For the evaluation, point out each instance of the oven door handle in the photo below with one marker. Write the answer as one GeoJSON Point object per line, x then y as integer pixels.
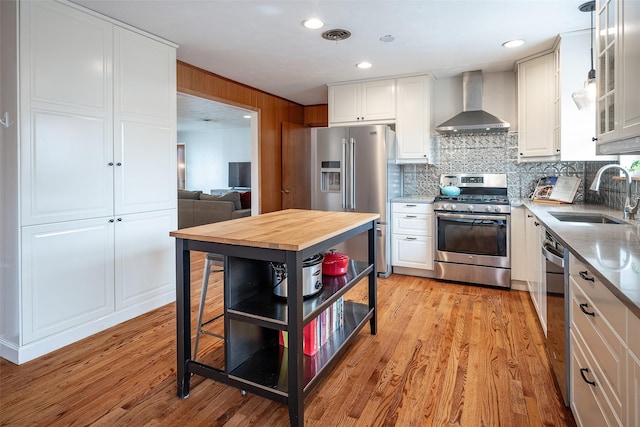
{"type": "Point", "coordinates": [467, 216]}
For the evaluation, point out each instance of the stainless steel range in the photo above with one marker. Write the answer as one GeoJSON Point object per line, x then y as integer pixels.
{"type": "Point", "coordinates": [473, 230]}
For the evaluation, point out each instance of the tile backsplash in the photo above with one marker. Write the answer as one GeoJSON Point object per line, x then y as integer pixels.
{"type": "Point", "coordinates": [499, 154]}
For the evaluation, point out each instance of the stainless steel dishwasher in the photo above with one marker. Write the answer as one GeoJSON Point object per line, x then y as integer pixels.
{"type": "Point", "coordinates": [557, 280]}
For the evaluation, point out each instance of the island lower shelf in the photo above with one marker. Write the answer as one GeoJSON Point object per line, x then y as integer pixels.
{"type": "Point", "coordinates": [268, 366]}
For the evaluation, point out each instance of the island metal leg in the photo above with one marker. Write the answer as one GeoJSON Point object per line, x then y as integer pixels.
{"type": "Point", "coordinates": [183, 316]}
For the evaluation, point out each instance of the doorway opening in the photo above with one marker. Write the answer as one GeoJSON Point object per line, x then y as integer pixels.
{"type": "Point", "coordinates": [215, 135]}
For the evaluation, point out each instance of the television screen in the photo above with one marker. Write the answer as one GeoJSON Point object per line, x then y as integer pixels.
{"type": "Point", "coordinates": [240, 174]}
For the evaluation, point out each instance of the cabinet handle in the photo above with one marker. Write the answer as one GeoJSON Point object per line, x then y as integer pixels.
{"type": "Point", "coordinates": [119, 220]}
{"type": "Point", "coordinates": [583, 308]}
{"type": "Point", "coordinates": [410, 206]}
{"type": "Point", "coordinates": [582, 371]}
{"type": "Point", "coordinates": [529, 216]}
{"type": "Point", "coordinates": [412, 238]}
{"type": "Point", "coordinates": [585, 276]}
{"type": "Point", "coordinates": [111, 220]}
{"type": "Point", "coordinates": [536, 223]}
{"type": "Point", "coordinates": [410, 216]}
{"type": "Point", "coordinates": [118, 164]}
{"type": "Point", "coordinates": [594, 139]}
{"type": "Point", "coordinates": [110, 164]}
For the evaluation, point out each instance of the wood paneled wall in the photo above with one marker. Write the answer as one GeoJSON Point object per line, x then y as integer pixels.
{"type": "Point", "coordinates": [272, 111]}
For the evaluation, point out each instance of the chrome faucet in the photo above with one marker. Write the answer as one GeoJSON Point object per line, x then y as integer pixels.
{"type": "Point", "coordinates": [629, 210]}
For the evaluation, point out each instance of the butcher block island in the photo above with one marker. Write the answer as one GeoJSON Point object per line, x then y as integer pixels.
{"type": "Point", "coordinates": [276, 347]}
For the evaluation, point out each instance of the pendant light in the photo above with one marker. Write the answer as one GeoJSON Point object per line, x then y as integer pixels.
{"type": "Point", "coordinates": [586, 96]}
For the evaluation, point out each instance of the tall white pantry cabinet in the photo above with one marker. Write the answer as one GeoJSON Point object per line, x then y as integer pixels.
{"type": "Point", "coordinates": [88, 182]}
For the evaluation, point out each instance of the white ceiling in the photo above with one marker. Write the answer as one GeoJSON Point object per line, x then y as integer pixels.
{"type": "Point", "coordinates": [262, 43]}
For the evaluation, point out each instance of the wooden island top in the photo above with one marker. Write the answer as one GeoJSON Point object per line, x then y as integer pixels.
{"type": "Point", "coordinates": [291, 229]}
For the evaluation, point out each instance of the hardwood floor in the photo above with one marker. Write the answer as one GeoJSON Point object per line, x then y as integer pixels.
{"type": "Point", "coordinates": [445, 355]}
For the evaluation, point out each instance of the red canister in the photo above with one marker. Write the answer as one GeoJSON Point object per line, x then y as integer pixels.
{"type": "Point", "coordinates": [335, 263]}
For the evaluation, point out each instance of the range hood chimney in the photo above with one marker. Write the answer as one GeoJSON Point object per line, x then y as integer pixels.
{"type": "Point", "coordinates": [473, 120]}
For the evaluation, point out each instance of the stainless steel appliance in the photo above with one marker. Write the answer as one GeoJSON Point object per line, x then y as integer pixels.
{"type": "Point", "coordinates": [473, 230]}
{"type": "Point", "coordinates": [557, 283]}
{"type": "Point", "coordinates": [311, 276]}
{"type": "Point", "coordinates": [354, 170]}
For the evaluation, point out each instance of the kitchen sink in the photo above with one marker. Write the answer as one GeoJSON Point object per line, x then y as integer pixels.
{"type": "Point", "coordinates": [592, 218]}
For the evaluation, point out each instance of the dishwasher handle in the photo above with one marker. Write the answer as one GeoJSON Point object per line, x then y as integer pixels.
{"type": "Point", "coordinates": [550, 253]}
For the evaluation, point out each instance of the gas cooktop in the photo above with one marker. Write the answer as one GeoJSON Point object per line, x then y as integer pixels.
{"type": "Point", "coordinates": [479, 193]}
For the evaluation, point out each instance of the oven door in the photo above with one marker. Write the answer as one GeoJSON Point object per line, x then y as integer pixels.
{"type": "Point", "coordinates": [477, 239]}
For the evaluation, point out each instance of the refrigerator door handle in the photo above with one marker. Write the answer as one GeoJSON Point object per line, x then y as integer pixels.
{"type": "Point", "coordinates": [343, 174]}
{"type": "Point", "coordinates": [352, 165]}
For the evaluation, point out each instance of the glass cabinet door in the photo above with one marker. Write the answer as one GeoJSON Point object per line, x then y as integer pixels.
{"type": "Point", "coordinates": [606, 39]}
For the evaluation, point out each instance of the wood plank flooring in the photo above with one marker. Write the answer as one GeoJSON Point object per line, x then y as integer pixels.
{"type": "Point", "coordinates": [445, 355]}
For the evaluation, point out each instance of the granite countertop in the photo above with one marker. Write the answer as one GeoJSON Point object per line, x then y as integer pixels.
{"type": "Point", "coordinates": [611, 250]}
{"type": "Point", "coordinates": [413, 199]}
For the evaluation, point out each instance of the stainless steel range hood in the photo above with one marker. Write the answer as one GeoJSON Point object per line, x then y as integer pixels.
{"type": "Point", "coordinates": [472, 120]}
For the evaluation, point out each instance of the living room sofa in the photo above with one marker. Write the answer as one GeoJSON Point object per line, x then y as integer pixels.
{"type": "Point", "coordinates": [198, 208]}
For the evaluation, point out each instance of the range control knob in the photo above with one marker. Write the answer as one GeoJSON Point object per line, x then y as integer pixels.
{"type": "Point", "coordinates": [487, 208]}
{"type": "Point", "coordinates": [470, 208]}
{"type": "Point", "coordinates": [496, 209]}
{"type": "Point", "coordinates": [452, 208]}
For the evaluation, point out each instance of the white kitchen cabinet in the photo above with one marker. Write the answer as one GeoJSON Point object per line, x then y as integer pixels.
{"type": "Point", "coordinates": [551, 125]}
{"type": "Point", "coordinates": [413, 119]}
{"type": "Point", "coordinates": [66, 116]}
{"type": "Point", "coordinates": [618, 65]}
{"type": "Point", "coordinates": [536, 282]}
{"type": "Point", "coordinates": [95, 194]}
{"type": "Point", "coordinates": [67, 275]}
{"type": "Point", "coordinates": [519, 256]}
{"type": "Point", "coordinates": [412, 235]}
{"type": "Point", "coordinates": [633, 371]}
{"type": "Point", "coordinates": [598, 329]}
{"type": "Point", "coordinates": [536, 108]}
{"type": "Point", "coordinates": [367, 102]}
{"type": "Point", "coordinates": [144, 123]}
{"type": "Point", "coordinates": [576, 128]}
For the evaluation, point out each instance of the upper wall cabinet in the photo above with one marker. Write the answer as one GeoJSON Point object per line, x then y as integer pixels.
{"type": "Point", "coordinates": [367, 102]}
{"type": "Point", "coordinates": [552, 127]}
{"type": "Point", "coordinates": [618, 67]}
{"type": "Point", "coordinates": [536, 108]}
{"type": "Point", "coordinates": [576, 128]}
{"type": "Point", "coordinates": [413, 119]}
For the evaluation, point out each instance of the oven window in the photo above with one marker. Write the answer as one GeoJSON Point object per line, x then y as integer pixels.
{"type": "Point", "coordinates": [473, 236]}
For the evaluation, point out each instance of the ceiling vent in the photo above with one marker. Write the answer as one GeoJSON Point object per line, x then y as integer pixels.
{"type": "Point", "coordinates": [336, 35]}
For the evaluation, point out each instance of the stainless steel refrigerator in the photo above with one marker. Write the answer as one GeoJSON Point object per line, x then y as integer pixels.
{"type": "Point", "coordinates": [354, 170]}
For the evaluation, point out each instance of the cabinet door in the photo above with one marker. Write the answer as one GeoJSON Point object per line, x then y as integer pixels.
{"type": "Point", "coordinates": [536, 107]}
{"type": "Point", "coordinates": [344, 103]}
{"type": "Point", "coordinates": [66, 114]}
{"type": "Point", "coordinates": [606, 46]}
{"type": "Point", "coordinates": [519, 259]}
{"type": "Point", "coordinates": [145, 257]}
{"type": "Point", "coordinates": [145, 117]}
{"type": "Point", "coordinates": [633, 390]}
{"type": "Point", "coordinates": [629, 69]}
{"type": "Point", "coordinates": [67, 275]}
{"type": "Point", "coordinates": [378, 100]}
{"type": "Point", "coordinates": [535, 273]}
{"type": "Point", "coordinates": [412, 251]}
{"type": "Point", "coordinates": [413, 124]}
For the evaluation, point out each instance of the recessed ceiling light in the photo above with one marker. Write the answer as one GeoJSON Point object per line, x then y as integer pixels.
{"type": "Point", "coordinates": [513, 43]}
{"type": "Point", "coordinates": [247, 116]}
{"type": "Point", "coordinates": [387, 39]}
{"type": "Point", "coordinates": [313, 23]}
{"type": "Point", "coordinates": [363, 65]}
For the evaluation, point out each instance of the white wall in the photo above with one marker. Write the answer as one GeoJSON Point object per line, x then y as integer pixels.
{"type": "Point", "coordinates": [499, 97]}
{"type": "Point", "coordinates": [209, 152]}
